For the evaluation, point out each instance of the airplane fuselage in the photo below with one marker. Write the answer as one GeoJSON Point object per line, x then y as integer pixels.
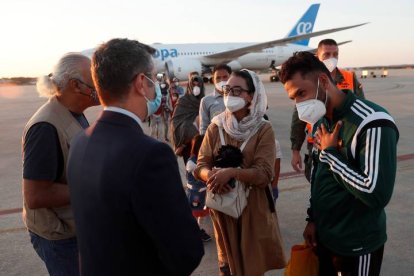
{"type": "Point", "coordinates": [178, 60]}
{"type": "Point", "coordinates": [185, 55]}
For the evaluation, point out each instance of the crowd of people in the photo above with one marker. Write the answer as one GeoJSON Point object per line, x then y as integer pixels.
{"type": "Point", "coordinates": [108, 199]}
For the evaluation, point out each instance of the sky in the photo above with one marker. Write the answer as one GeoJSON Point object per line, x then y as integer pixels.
{"type": "Point", "coordinates": [35, 34]}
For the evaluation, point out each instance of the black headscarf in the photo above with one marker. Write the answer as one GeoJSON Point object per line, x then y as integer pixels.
{"type": "Point", "coordinates": [190, 86]}
{"type": "Point", "coordinates": [186, 111]}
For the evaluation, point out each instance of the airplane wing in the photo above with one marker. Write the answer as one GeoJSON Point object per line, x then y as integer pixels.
{"type": "Point", "coordinates": [232, 54]}
{"type": "Point", "coordinates": [339, 44]}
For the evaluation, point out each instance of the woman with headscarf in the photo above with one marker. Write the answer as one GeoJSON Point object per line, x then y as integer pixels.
{"type": "Point", "coordinates": [184, 122]}
{"type": "Point", "coordinates": [250, 244]}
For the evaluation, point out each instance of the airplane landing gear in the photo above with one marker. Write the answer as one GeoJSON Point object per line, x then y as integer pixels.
{"type": "Point", "coordinates": [274, 78]}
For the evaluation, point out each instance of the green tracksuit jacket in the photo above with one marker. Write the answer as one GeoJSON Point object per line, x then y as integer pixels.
{"type": "Point", "coordinates": [353, 182]}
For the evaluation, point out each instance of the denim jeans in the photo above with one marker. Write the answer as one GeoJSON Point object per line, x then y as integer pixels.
{"type": "Point", "coordinates": [60, 256]}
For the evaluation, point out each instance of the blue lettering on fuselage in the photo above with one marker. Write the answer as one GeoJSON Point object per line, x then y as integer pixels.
{"type": "Point", "coordinates": [165, 53]}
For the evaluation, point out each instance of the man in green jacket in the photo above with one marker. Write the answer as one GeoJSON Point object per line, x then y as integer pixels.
{"type": "Point", "coordinates": [328, 53]}
{"type": "Point", "coordinates": [354, 167]}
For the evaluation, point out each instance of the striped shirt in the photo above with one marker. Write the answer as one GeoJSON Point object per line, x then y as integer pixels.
{"type": "Point", "coordinates": [210, 106]}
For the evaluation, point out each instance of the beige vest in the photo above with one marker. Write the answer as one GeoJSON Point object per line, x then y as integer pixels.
{"type": "Point", "coordinates": [53, 223]}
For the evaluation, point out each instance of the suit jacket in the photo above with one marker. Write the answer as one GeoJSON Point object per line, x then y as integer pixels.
{"type": "Point", "coordinates": [130, 208]}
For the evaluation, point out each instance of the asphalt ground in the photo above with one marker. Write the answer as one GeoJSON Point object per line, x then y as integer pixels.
{"type": "Point", "coordinates": [395, 93]}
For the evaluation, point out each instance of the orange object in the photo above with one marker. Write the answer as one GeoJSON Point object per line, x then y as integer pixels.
{"type": "Point", "coordinates": [200, 213]}
{"type": "Point", "coordinates": [309, 133]}
{"type": "Point", "coordinates": [348, 82]}
{"type": "Point", "coordinates": [303, 262]}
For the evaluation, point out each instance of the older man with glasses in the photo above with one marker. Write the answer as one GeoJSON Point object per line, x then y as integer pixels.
{"type": "Point", "coordinates": [46, 140]}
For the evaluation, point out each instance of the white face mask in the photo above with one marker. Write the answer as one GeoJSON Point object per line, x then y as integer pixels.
{"type": "Point", "coordinates": [176, 83]}
{"type": "Point", "coordinates": [163, 85]}
{"type": "Point", "coordinates": [330, 63]}
{"type": "Point", "coordinates": [219, 85]}
{"type": "Point", "coordinates": [311, 111]}
{"type": "Point", "coordinates": [234, 104]}
{"type": "Point", "coordinates": [196, 91]}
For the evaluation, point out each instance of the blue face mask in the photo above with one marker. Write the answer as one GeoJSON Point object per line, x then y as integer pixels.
{"type": "Point", "coordinates": [153, 105]}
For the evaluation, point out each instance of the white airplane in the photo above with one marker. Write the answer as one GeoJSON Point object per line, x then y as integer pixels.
{"type": "Point", "coordinates": [178, 60]}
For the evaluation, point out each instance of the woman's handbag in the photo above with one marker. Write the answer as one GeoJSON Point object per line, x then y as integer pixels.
{"type": "Point", "coordinates": [303, 262]}
{"type": "Point", "coordinates": [233, 202]}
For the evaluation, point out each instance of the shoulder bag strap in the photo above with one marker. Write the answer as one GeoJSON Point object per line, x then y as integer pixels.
{"type": "Point", "coordinates": [223, 142]}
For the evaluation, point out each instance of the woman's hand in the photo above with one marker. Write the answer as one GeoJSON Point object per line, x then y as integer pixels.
{"type": "Point", "coordinates": [218, 180]}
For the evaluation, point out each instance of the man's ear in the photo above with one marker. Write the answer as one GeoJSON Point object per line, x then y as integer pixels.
{"type": "Point", "coordinates": [74, 85]}
{"type": "Point", "coordinates": [324, 81]}
{"type": "Point", "coordinates": [139, 84]}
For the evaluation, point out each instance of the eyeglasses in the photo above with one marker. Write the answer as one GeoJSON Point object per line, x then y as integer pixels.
{"type": "Point", "coordinates": [235, 91]}
{"type": "Point", "coordinates": [149, 75]}
{"type": "Point", "coordinates": [87, 85]}
{"type": "Point", "coordinates": [152, 81]}
{"type": "Point", "coordinates": [152, 76]}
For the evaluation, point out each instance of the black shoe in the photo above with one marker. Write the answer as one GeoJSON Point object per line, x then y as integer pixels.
{"type": "Point", "coordinates": [224, 270]}
{"type": "Point", "coordinates": [204, 236]}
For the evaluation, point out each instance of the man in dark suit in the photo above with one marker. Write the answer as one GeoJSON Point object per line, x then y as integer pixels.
{"type": "Point", "coordinates": [131, 212]}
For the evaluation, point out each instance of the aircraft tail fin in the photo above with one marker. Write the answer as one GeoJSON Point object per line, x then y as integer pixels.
{"type": "Point", "coordinates": [305, 24]}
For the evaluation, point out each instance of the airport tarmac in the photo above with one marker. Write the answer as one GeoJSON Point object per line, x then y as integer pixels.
{"type": "Point", "coordinates": [395, 93]}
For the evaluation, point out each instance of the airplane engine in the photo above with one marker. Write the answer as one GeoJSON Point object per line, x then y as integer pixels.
{"type": "Point", "coordinates": [235, 65]}
{"type": "Point", "coordinates": [180, 68]}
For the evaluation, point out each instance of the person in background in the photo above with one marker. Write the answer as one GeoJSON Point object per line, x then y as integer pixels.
{"type": "Point", "coordinates": [47, 137]}
{"type": "Point", "coordinates": [279, 156]}
{"type": "Point", "coordinates": [190, 76]}
{"type": "Point", "coordinates": [212, 105]}
{"type": "Point", "coordinates": [166, 110]}
{"type": "Point", "coordinates": [174, 99]}
{"type": "Point", "coordinates": [196, 189]}
{"type": "Point", "coordinates": [130, 207]}
{"type": "Point", "coordinates": [159, 121]}
{"type": "Point", "coordinates": [175, 87]}
{"type": "Point", "coordinates": [164, 86]}
{"type": "Point", "coordinates": [185, 122]}
{"type": "Point", "coordinates": [354, 168]}
{"type": "Point", "coordinates": [155, 124]}
{"type": "Point", "coordinates": [275, 179]}
{"type": "Point", "coordinates": [328, 53]}
{"type": "Point", "coordinates": [193, 74]}
{"type": "Point", "coordinates": [251, 244]}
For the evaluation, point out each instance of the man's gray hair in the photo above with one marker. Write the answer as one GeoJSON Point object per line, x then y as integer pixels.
{"type": "Point", "coordinates": [116, 63]}
{"type": "Point", "coordinates": [68, 67]}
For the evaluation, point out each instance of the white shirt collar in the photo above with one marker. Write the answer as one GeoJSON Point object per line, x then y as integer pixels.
{"type": "Point", "coordinates": [125, 112]}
